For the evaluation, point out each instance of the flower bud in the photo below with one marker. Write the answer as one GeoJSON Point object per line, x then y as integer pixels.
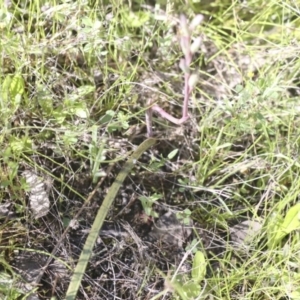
{"type": "Point", "coordinates": [196, 45]}
{"type": "Point", "coordinates": [193, 80]}
{"type": "Point", "coordinates": [184, 26]}
{"type": "Point", "coordinates": [183, 66]}
{"type": "Point", "coordinates": [196, 22]}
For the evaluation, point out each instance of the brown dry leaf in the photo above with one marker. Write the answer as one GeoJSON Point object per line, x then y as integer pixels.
{"type": "Point", "coordinates": [38, 196]}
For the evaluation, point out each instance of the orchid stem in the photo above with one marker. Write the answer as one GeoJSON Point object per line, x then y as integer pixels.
{"type": "Point", "coordinates": [189, 80]}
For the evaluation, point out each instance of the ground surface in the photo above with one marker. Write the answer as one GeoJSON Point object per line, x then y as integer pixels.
{"type": "Point", "coordinates": [75, 83]}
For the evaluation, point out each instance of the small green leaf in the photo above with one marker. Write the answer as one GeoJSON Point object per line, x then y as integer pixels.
{"type": "Point", "coordinates": [172, 154]}
{"type": "Point", "coordinates": [86, 21]}
{"type": "Point", "coordinates": [187, 212]}
{"type": "Point", "coordinates": [21, 144]}
{"type": "Point", "coordinates": [136, 19]}
{"type": "Point", "coordinates": [147, 203]}
{"type": "Point", "coordinates": [239, 88]}
{"type": "Point", "coordinates": [109, 114]}
{"type": "Point", "coordinates": [123, 120]}
{"type": "Point", "coordinates": [199, 267]}
{"type": "Point", "coordinates": [81, 112]}
{"type": "Point", "coordinates": [192, 246]}
{"type": "Point", "coordinates": [66, 222]}
{"type": "Point", "coordinates": [60, 114]}
{"type": "Point", "coordinates": [70, 137]}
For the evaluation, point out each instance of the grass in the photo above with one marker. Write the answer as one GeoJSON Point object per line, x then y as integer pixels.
{"type": "Point", "coordinates": [75, 82]}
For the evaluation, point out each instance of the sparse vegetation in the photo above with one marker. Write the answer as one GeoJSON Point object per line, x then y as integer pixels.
{"type": "Point", "coordinates": [76, 80]}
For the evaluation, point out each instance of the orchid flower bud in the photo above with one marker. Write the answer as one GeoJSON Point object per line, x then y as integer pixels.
{"type": "Point", "coordinates": [196, 44]}
{"type": "Point", "coordinates": [184, 26]}
{"type": "Point", "coordinates": [192, 81]}
{"type": "Point", "coordinates": [183, 66]}
{"type": "Point", "coordinates": [196, 22]}
{"type": "Point", "coordinates": [185, 45]}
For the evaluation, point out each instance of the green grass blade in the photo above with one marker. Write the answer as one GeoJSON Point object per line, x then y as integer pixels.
{"type": "Point", "coordinates": [101, 215]}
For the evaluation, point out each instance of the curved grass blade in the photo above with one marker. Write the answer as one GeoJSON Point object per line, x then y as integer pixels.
{"type": "Point", "coordinates": [101, 215]}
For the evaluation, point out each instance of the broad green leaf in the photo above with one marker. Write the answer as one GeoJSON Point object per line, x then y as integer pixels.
{"type": "Point", "coordinates": [17, 86]}
{"type": "Point", "coordinates": [273, 226]}
{"type": "Point", "coordinates": [290, 223]}
{"type": "Point", "coordinates": [5, 89]}
{"type": "Point", "coordinates": [177, 285]}
{"type": "Point", "coordinates": [295, 295]}
{"type": "Point", "coordinates": [199, 267]}
{"type": "Point", "coordinates": [185, 288]}
{"type": "Point", "coordinates": [11, 92]}
{"type": "Point", "coordinates": [191, 290]}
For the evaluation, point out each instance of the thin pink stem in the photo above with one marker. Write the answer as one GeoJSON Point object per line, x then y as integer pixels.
{"type": "Point", "coordinates": [167, 116]}
{"type": "Point", "coordinates": [186, 46]}
{"type": "Point", "coordinates": [186, 96]}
